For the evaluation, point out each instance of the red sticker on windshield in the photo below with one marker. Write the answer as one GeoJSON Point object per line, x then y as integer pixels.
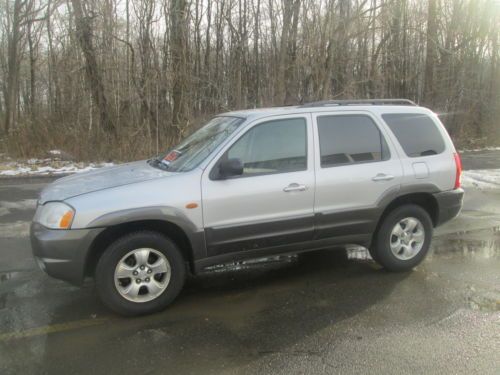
{"type": "Point", "coordinates": [171, 156]}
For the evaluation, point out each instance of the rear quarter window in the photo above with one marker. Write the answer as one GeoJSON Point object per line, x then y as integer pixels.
{"type": "Point", "coordinates": [417, 133]}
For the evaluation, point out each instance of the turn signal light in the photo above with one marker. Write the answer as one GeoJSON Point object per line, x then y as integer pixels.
{"type": "Point", "coordinates": [66, 220]}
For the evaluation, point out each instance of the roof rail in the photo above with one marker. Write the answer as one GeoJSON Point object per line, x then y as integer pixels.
{"type": "Point", "coordinates": [325, 103]}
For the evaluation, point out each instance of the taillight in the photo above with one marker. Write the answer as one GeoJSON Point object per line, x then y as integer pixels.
{"type": "Point", "coordinates": [458, 165]}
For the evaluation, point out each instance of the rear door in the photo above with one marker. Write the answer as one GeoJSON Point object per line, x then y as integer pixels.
{"type": "Point", "coordinates": [271, 204]}
{"type": "Point", "coordinates": [357, 171]}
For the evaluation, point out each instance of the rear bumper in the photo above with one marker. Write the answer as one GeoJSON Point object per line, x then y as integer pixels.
{"type": "Point", "coordinates": [62, 254]}
{"type": "Point", "coordinates": [449, 205]}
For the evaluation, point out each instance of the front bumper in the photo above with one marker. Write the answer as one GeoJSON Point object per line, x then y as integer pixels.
{"type": "Point", "coordinates": [62, 254]}
{"type": "Point", "coordinates": [449, 205]}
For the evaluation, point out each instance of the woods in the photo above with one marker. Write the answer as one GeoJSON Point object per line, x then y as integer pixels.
{"type": "Point", "coordinates": [124, 79]}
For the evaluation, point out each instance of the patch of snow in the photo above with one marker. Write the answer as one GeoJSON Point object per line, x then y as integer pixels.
{"type": "Point", "coordinates": [6, 207]}
{"type": "Point", "coordinates": [251, 263]}
{"type": "Point", "coordinates": [55, 152]}
{"type": "Point", "coordinates": [481, 179]}
{"type": "Point", "coordinates": [17, 229]}
{"type": "Point", "coordinates": [47, 167]}
{"type": "Point", "coordinates": [15, 172]}
{"type": "Point", "coordinates": [23, 204]}
{"type": "Point", "coordinates": [357, 252]}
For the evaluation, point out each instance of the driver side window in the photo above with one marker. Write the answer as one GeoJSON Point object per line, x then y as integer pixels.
{"type": "Point", "coordinates": [272, 147]}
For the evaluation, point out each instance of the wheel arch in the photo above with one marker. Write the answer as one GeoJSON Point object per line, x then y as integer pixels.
{"type": "Point", "coordinates": [425, 200]}
{"type": "Point", "coordinates": [165, 227]}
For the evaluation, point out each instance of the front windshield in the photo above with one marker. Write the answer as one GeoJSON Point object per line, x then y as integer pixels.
{"type": "Point", "coordinates": [195, 148]}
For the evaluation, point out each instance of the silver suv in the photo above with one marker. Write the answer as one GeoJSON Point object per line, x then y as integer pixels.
{"type": "Point", "coordinates": [254, 183]}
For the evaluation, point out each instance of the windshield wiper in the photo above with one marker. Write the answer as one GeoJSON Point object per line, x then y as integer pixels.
{"type": "Point", "coordinates": [157, 163]}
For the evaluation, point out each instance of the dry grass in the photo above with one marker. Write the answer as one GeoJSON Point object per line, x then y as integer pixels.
{"type": "Point", "coordinates": [128, 144]}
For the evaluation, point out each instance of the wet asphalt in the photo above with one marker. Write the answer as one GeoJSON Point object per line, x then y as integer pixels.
{"type": "Point", "coordinates": [327, 312]}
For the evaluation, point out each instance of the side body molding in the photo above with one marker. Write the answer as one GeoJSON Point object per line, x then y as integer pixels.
{"type": "Point", "coordinates": [160, 213]}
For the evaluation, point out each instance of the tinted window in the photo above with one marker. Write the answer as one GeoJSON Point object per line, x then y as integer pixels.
{"type": "Point", "coordinates": [272, 147]}
{"type": "Point", "coordinates": [416, 133]}
{"type": "Point", "coordinates": [350, 139]}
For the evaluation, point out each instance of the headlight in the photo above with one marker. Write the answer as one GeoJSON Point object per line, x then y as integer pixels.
{"type": "Point", "coordinates": [56, 215]}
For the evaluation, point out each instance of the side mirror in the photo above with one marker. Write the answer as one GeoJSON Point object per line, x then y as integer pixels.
{"type": "Point", "coordinates": [230, 167]}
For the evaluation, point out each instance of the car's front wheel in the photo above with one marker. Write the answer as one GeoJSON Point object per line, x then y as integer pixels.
{"type": "Point", "coordinates": [140, 273]}
{"type": "Point", "coordinates": [403, 239]}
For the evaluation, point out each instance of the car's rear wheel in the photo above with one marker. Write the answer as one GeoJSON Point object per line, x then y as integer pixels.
{"type": "Point", "coordinates": [403, 239]}
{"type": "Point", "coordinates": [140, 273]}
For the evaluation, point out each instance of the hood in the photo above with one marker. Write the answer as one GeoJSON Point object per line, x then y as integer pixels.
{"type": "Point", "coordinates": [100, 179]}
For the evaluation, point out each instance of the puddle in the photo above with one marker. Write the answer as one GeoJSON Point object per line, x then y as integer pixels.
{"type": "Point", "coordinates": [476, 233]}
{"type": "Point", "coordinates": [483, 300]}
{"type": "Point", "coordinates": [480, 244]}
{"type": "Point", "coordinates": [484, 249]}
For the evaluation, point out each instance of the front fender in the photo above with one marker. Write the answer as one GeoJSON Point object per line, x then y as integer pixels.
{"type": "Point", "coordinates": [159, 213]}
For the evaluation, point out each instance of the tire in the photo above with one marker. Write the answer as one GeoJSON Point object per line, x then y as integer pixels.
{"type": "Point", "coordinates": [397, 247]}
{"type": "Point", "coordinates": [153, 271]}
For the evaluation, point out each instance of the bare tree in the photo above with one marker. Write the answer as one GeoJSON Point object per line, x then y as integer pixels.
{"type": "Point", "coordinates": [431, 52]}
{"type": "Point", "coordinates": [179, 58]}
{"type": "Point", "coordinates": [149, 71]}
{"type": "Point", "coordinates": [84, 35]}
{"type": "Point", "coordinates": [14, 36]}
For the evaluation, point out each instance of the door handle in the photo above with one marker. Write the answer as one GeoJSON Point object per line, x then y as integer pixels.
{"type": "Point", "coordinates": [383, 177]}
{"type": "Point", "coordinates": [294, 187]}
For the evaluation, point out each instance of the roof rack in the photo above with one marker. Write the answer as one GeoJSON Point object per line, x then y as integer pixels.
{"type": "Point", "coordinates": [325, 103]}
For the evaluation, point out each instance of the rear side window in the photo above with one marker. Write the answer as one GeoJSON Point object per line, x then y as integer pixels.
{"type": "Point", "coordinates": [417, 133]}
{"type": "Point", "coordinates": [272, 147]}
{"type": "Point", "coordinates": [350, 139]}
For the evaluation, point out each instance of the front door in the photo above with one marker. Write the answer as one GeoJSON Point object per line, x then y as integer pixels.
{"type": "Point", "coordinates": [271, 203]}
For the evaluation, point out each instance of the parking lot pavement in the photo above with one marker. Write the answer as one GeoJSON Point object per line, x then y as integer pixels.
{"type": "Point", "coordinates": [326, 312]}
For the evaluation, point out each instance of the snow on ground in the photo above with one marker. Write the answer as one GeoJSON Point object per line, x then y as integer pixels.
{"type": "Point", "coordinates": [17, 229]}
{"type": "Point", "coordinates": [480, 149]}
{"type": "Point", "coordinates": [46, 167]}
{"type": "Point", "coordinates": [481, 179]}
{"type": "Point", "coordinates": [7, 207]}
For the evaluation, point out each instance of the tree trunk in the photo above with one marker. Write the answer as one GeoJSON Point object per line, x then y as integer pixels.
{"type": "Point", "coordinates": [178, 52]}
{"type": "Point", "coordinates": [431, 53]}
{"type": "Point", "coordinates": [256, 40]}
{"type": "Point", "coordinates": [291, 94]}
{"type": "Point", "coordinates": [12, 68]}
{"type": "Point", "coordinates": [84, 35]}
{"type": "Point", "coordinates": [279, 95]}
{"type": "Point", "coordinates": [207, 89]}
{"type": "Point", "coordinates": [32, 60]}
